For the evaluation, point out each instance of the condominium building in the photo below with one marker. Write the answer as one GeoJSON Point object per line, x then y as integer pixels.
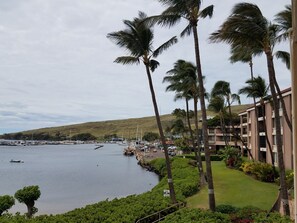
{"type": "Point", "coordinates": [257, 141]}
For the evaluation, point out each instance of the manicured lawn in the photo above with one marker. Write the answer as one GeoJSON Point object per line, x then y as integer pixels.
{"type": "Point", "coordinates": [235, 188]}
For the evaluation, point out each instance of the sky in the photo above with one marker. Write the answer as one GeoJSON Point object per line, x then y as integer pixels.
{"type": "Point", "coordinates": [56, 64]}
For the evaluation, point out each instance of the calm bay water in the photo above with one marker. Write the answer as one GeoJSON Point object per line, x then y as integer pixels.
{"type": "Point", "coordinates": [71, 176]}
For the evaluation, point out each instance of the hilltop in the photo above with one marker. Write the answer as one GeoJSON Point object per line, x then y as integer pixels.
{"type": "Point", "coordinates": [126, 128]}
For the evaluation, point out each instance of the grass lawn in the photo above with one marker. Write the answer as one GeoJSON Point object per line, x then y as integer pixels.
{"type": "Point", "coordinates": [235, 188]}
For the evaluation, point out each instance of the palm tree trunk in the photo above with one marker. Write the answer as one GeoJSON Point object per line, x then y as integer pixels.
{"type": "Point", "coordinates": [268, 141]}
{"type": "Point", "coordinates": [255, 107]}
{"type": "Point", "coordinates": [232, 124]}
{"type": "Point", "coordinates": [168, 166]}
{"type": "Point", "coordinates": [211, 195]}
{"type": "Point", "coordinates": [289, 123]}
{"type": "Point", "coordinates": [222, 123]}
{"type": "Point", "coordinates": [281, 164]}
{"type": "Point", "coordinates": [197, 150]}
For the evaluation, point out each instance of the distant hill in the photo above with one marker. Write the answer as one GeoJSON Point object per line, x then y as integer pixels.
{"type": "Point", "coordinates": [123, 128]}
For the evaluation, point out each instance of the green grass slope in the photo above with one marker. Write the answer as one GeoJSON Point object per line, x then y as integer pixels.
{"type": "Point", "coordinates": [235, 188]}
{"type": "Point", "coordinates": [126, 127]}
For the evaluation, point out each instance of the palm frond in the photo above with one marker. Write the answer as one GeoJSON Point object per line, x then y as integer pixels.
{"type": "Point", "coordinates": [248, 10]}
{"type": "Point", "coordinates": [206, 12]}
{"type": "Point", "coordinates": [164, 46]}
{"type": "Point", "coordinates": [284, 21]}
{"type": "Point", "coordinates": [284, 57]}
{"type": "Point", "coordinates": [168, 20]}
{"type": "Point", "coordinates": [187, 31]}
{"type": "Point", "coordinates": [129, 60]}
{"type": "Point", "coordinates": [235, 98]}
{"type": "Point", "coordinates": [153, 65]}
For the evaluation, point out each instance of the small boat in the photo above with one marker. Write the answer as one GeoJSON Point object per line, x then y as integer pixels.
{"type": "Point", "coordinates": [16, 161]}
{"type": "Point", "coordinates": [98, 147]}
{"type": "Point", "coordinates": [129, 151]}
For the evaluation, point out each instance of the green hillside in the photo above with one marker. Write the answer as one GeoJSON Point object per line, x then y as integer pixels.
{"type": "Point", "coordinates": [123, 128]}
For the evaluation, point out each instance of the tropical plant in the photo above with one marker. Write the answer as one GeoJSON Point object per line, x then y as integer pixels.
{"type": "Point", "coordinates": [6, 202]}
{"type": "Point", "coordinates": [183, 80]}
{"type": "Point", "coordinates": [150, 136]}
{"type": "Point", "coordinates": [222, 90]}
{"type": "Point", "coordinates": [246, 26]}
{"type": "Point", "coordinates": [231, 156]}
{"type": "Point", "coordinates": [284, 22]}
{"type": "Point", "coordinates": [217, 104]}
{"type": "Point", "coordinates": [28, 195]}
{"type": "Point", "coordinates": [192, 12]}
{"type": "Point", "coordinates": [137, 39]}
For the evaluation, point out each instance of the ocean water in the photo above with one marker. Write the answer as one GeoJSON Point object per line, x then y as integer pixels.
{"type": "Point", "coordinates": [71, 176]}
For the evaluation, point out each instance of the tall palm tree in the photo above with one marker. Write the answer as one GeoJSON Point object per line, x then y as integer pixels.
{"type": "Point", "coordinates": [257, 88]}
{"type": "Point", "coordinates": [192, 12]}
{"type": "Point", "coordinates": [183, 80]}
{"type": "Point", "coordinates": [244, 54]}
{"type": "Point", "coordinates": [246, 26]}
{"type": "Point", "coordinates": [137, 39]}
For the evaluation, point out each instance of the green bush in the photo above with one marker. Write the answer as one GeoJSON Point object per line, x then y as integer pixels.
{"type": "Point", "coordinates": [6, 202]}
{"type": "Point", "coordinates": [261, 171]}
{"type": "Point", "coordinates": [271, 218]}
{"type": "Point", "coordinates": [289, 179]}
{"type": "Point", "coordinates": [159, 166]}
{"type": "Point", "coordinates": [226, 209]}
{"type": "Point", "coordinates": [231, 157]}
{"type": "Point", "coordinates": [185, 176]}
{"type": "Point", "coordinates": [187, 215]}
{"type": "Point", "coordinates": [245, 214]}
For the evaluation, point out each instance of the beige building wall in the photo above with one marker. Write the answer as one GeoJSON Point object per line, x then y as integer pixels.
{"type": "Point", "coordinates": [252, 139]}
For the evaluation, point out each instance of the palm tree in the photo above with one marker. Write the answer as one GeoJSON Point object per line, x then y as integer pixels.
{"type": "Point", "coordinates": [245, 54]}
{"type": "Point", "coordinates": [284, 23]}
{"type": "Point", "coordinates": [137, 39]}
{"type": "Point", "coordinates": [246, 26]}
{"type": "Point", "coordinates": [222, 89]}
{"type": "Point", "coordinates": [183, 80]}
{"type": "Point", "coordinates": [257, 88]}
{"type": "Point", "coordinates": [192, 12]}
{"type": "Point", "coordinates": [217, 105]}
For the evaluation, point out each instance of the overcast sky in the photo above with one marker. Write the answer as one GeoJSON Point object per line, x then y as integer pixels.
{"type": "Point", "coordinates": [56, 64]}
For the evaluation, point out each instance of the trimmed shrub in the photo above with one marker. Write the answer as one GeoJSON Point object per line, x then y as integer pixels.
{"type": "Point", "coordinates": [187, 215]}
{"type": "Point", "coordinates": [226, 209]}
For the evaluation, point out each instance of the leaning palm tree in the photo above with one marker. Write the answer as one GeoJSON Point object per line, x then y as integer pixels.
{"type": "Point", "coordinates": [246, 26]}
{"type": "Point", "coordinates": [183, 80]}
{"type": "Point", "coordinates": [137, 39]}
{"type": "Point", "coordinates": [192, 12]}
